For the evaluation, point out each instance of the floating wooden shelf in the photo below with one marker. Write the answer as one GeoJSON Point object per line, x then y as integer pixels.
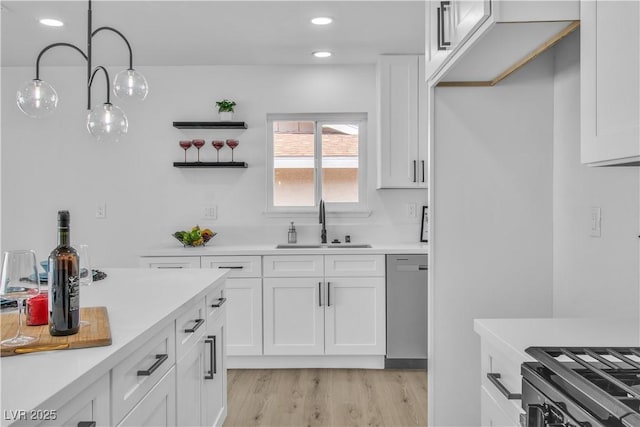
{"type": "Point", "coordinates": [210, 125]}
{"type": "Point", "coordinates": [210, 165]}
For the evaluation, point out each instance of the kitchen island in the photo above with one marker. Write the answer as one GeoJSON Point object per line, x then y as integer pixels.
{"type": "Point", "coordinates": [146, 308]}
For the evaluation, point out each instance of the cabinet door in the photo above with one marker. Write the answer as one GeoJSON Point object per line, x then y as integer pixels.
{"type": "Point", "coordinates": [467, 16]}
{"type": "Point", "coordinates": [244, 316]}
{"type": "Point", "coordinates": [158, 407]}
{"type": "Point", "coordinates": [438, 43]}
{"type": "Point", "coordinates": [170, 262]}
{"type": "Point", "coordinates": [215, 389]}
{"type": "Point", "coordinates": [491, 413]}
{"type": "Point", "coordinates": [92, 404]}
{"type": "Point", "coordinates": [398, 121]}
{"type": "Point", "coordinates": [355, 316]}
{"type": "Point", "coordinates": [609, 81]}
{"type": "Point", "coordinates": [190, 372]}
{"type": "Point", "coordinates": [293, 316]}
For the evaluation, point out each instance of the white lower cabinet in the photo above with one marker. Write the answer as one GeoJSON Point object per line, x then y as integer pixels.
{"type": "Point", "coordinates": [293, 316]}
{"type": "Point", "coordinates": [215, 383]}
{"type": "Point", "coordinates": [492, 415]}
{"type": "Point", "coordinates": [355, 316]}
{"type": "Point", "coordinates": [244, 316]}
{"type": "Point", "coordinates": [90, 405]}
{"type": "Point", "coordinates": [158, 407]}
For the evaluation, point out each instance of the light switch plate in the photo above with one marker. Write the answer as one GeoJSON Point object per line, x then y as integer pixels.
{"type": "Point", "coordinates": [209, 212]}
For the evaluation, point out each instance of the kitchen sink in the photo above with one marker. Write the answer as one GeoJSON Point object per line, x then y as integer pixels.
{"type": "Point", "coordinates": [330, 246]}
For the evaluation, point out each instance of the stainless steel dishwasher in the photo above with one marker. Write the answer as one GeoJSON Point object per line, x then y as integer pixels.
{"type": "Point", "coordinates": [406, 311]}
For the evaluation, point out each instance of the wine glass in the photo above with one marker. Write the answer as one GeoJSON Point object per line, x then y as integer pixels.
{"type": "Point", "coordinates": [198, 143]}
{"type": "Point", "coordinates": [232, 143]}
{"type": "Point", "coordinates": [186, 145]}
{"type": "Point", "coordinates": [217, 145]}
{"type": "Point", "coordinates": [19, 281]}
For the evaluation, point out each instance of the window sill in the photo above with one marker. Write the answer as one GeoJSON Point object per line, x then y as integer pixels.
{"type": "Point", "coordinates": [314, 214]}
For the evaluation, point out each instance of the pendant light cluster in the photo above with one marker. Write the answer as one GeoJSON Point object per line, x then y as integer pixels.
{"type": "Point", "coordinates": [105, 122]}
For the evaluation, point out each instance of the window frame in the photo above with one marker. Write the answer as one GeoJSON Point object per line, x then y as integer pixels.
{"type": "Point", "coordinates": [319, 119]}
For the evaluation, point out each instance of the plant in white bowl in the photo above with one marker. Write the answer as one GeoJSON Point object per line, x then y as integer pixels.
{"type": "Point", "coordinates": [225, 109]}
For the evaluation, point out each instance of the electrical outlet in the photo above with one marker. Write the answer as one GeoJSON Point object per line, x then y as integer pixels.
{"type": "Point", "coordinates": [412, 210]}
{"type": "Point", "coordinates": [209, 212]}
{"type": "Point", "coordinates": [596, 222]}
{"type": "Point", "coordinates": [101, 210]}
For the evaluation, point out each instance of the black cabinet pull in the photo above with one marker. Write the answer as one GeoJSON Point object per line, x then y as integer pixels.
{"type": "Point", "coordinates": [328, 294]}
{"type": "Point", "coordinates": [199, 322]}
{"type": "Point", "coordinates": [87, 424]}
{"type": "Point", "coordinates": [415, 172]}
{"type": "Point", "coordinates": [233, 267]}
{"type": "Point", "coordinates": [211, 342]}
{"type": "Point", "coordinates": [442, 43]}
{"type": "Point", "coordinates": [160, 359]}
{"type": "Point", "coordinates": [319, 294]}
{"type": "Point", "coordinates": [165, 266]}
{"type": "Point", "coordinates": [220, 302]}
{"type": "Point", "coordinates": [422, 161]}
{"type": "Point", "coordinates": [495, 380]}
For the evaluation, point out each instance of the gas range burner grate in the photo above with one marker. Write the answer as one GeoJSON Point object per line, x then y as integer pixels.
{"type": "Point", "coordinates": [607, 377]}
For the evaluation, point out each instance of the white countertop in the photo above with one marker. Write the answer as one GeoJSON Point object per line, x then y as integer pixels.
{"type": "Point", "coordinates": [139, 303]}
{"type": "Point", "coordinates": [270, 249]}
{"type": "Point", "coordinates": [515, 335]}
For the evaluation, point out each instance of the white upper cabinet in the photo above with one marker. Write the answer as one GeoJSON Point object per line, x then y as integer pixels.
{"type": "Point", "coordinates": [481, 42]}
{"type": "Point", "coordinates": [609, 80]}
{"type": "Point", "coordinates": [402, 136]}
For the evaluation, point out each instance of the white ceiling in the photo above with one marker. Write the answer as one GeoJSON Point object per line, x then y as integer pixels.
{"type": "Point", "coordinates": [213, 32]}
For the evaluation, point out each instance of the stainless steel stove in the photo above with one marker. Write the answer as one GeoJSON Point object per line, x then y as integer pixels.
{"type": "Point", "coordinates": [581, 387]}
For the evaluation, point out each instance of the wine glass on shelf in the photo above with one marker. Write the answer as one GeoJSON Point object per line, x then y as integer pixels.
{"type": "Point", "coordinates": [217, 145]}
{"type": "Point", "coordinates": [198, 143]}
{"type": "Point", "coordinates": [185, 145]}
{"type": "Point", "coordinates": [232, 143]}
{"type": "Point", "coordinates": [20, 281]}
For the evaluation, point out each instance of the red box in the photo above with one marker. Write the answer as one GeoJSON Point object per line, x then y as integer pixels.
{"type": "Point", "coordinates": [38, 310]}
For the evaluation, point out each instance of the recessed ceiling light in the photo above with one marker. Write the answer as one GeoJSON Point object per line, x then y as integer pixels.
{"type": "Point", "coordinates": [322, 20]}
{"type": "Point", "coordinates": [51, 22]}
{"type": "Point", "coordinates": [322, 54]}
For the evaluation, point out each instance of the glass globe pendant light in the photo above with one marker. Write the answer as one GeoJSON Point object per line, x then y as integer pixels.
{"type": "Point", "coordinates": [37, 99]}
{"type": "Point", "coordinates": [130, 84]}
{"type": "Point", "coordinates": [107, 123]}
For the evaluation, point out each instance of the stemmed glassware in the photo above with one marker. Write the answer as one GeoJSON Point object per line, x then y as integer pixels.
{"type": "Point", "coordinates": [185, 145]}
{"type": "Point", "coordinates": [232, 143]}
{"type": "Point", "coordinates": [20, 281]}
{"type": "Point", "coordinates": [198, 143]}
{"type": "Point", "coordinates": [217, 145]}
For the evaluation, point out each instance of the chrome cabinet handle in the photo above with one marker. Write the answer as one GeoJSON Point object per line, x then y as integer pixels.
{"type": "Point", "coordinates": [319, 294]}
{"type": "Point", "coordinates": [212, 343]}
{"type": "Point", "coordinates": [160, 359]}
{"type": "Point", "coordinates": [220, 302]}
{"type": "Point", "coordinates": [199, 322]}
{"type": "Point", "coordinates": [495, 380]}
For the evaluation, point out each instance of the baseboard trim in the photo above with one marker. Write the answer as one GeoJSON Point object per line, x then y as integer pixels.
{"type": "Point", "coordinates": [284, 362]}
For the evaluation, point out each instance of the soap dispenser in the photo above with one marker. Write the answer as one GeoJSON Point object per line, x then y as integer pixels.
{"type": "Point", "coordinates": [293, 235]}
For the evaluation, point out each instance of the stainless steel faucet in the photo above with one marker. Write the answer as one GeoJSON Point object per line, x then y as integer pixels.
{"type": "Point", "coordinates": [323, 221]}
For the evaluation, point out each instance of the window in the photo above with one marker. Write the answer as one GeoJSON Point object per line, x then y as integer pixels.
{"type": "Point", "coordinates": [313, 157]}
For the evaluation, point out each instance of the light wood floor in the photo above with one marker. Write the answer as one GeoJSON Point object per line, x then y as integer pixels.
{"type": "Point", "coordinates": [326, 397]}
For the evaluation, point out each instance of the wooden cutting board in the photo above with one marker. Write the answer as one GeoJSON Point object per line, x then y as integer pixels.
{"type": "Point", "coordinates": [97, 333]}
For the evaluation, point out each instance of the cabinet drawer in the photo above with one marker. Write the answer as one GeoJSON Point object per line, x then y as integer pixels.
{"type": "Point", "coordinates": [190, 328]}
{"type": "Point", "coordinates": [293, 266]}
{"type": "Point", "coordinates": [131, 382]}
{"type": "Point", "coordinates": [492, 414]}
{"type": "Point", "coordinates": [241, 266]}
{"type": "Point", "coordinates": [354, 265]}
{"type": "Point", "coordinates": [170, 262]}
{"type": "Point", "coordinates": [497, 362]}
{"type": "Point", "coordinates": [158, 407]}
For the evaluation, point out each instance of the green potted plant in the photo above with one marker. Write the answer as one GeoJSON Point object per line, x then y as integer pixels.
{"type": "Point", "coordinates": [225, 109]}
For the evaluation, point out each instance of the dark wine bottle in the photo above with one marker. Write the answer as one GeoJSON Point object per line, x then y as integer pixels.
{"type": "Point", "coordinates": [64, 283]}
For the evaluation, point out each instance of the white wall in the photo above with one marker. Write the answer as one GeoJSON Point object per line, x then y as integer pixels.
{"type": "Point", "coordinates": [492, 224]}
{"type": "Point", "coordinates": [54, 163]}
{"type": "Point", "coordinates": [593, 276]}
